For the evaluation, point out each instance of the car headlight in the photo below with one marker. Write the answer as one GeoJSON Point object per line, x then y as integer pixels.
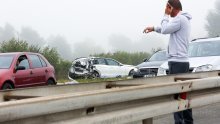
{"type": "Point", "coordinates": [136, 69]}
{"type": "Point", "coordinates": [207, 67]}
{"type": "Point", "coordinates": [161, 71]}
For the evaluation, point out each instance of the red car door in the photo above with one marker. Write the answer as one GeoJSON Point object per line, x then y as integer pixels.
{"type": "Point", "coordinates": [38, 71]}
{"type": "Point", "coordinates": [23, 77]}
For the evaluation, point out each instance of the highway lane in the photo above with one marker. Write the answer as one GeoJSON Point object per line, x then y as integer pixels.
{"type": "Point", "coordinates": [205, 115]}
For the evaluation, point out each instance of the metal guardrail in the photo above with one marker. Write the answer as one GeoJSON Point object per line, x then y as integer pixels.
{"type": "Point", "coordinates": [150, 98]}
{"type": "Point", "coordinates": [55, 90]}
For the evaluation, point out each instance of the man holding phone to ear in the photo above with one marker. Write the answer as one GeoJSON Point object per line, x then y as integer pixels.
{"type": "Point", "coordinates": [179, 30]}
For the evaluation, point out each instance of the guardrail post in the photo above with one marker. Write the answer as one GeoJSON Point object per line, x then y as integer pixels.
{"type": "Point", "coordinates": [148, 121]}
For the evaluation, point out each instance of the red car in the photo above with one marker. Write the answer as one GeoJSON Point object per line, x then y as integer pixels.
{"type": "Point", "coordinates": [24, 69]}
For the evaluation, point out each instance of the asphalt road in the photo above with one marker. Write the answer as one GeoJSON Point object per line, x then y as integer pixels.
{"type": "Point", "coordinates": [205, 115]}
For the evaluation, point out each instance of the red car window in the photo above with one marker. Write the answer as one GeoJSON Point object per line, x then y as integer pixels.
{"type": "Point", "coordinates": [44, 64]}
{"type": "Point", "coordinates": [36, 63]}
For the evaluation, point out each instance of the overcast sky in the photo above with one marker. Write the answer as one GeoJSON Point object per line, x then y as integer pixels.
{"type": "Point", "coordinates": [102, 24]}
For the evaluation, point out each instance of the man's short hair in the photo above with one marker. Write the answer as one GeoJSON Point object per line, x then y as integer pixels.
{"type": "Point", "coordinates": [176, 4]}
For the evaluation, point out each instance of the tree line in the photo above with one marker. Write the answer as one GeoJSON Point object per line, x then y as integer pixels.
{"type": "Point", "coordinates": [126, 57]}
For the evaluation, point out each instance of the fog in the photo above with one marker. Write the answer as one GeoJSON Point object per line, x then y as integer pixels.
{"type": "Point", "coordinates": [84, 27]}
{"type": "Point", "coordinates": [116, 42]}
{"type": "Point", "coordinates": [31, 36]}
{"type": "Point", "coordinates": [86, 48]}
{"type": "Point", "coordinates": [7, 32]}
{"type": "Point", "coordinates": [119, 42]}
{"type": "Point", "coordinates": [62, 46]}
{"type": "Point", "coordinates": [66, 50]}
{"type": "Point", "coordinates": [213, 18]}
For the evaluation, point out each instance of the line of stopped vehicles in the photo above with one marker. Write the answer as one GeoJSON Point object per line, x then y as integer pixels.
{"type": "Point", "coordinates": [25, 69]}
{"type": "Point", "coordinates": [204, 55]}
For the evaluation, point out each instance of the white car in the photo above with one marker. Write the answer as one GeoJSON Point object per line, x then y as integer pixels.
{"type": "Point", "coordinates": [204, 55]}
{"type": "Point", "coordinates": [96, 67]}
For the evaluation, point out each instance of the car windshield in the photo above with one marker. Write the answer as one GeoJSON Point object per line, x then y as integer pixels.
{"type": "Point", "coordinates": [158, 56]}
{"type": "Point", "coordinates": [202, 49]}
{"type": "Point", "coordinates": [5, 61]}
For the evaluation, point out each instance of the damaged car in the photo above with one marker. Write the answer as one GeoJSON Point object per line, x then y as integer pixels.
{"type": "Point", "coordinates": [96, 67]}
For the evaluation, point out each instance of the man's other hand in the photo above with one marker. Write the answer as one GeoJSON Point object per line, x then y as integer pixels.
{"type": "Point", "coordinates": [148, 29]}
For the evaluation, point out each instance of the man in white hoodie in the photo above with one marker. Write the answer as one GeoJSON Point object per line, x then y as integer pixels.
{"type": "Point", "coordinates": [179, 30]}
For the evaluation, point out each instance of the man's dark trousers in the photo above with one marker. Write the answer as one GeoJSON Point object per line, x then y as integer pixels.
{"type": "Point", "coordinates": [182, 117]}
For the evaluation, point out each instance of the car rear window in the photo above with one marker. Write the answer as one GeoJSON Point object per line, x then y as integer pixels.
{"type": "Point", "coordinates": [5, 61]}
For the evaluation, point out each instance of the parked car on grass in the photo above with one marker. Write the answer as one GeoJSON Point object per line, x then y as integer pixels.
{"type": "Point", "coordinates": [204, 55]}
{"type": "Point", "coordinates": [95, 67]}
{"type": "Point", "coordinates": [24, 69]}
{"type": "Point", "coordinates": [149, 68]}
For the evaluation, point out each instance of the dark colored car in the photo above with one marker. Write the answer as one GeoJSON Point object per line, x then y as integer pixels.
{"type": "Point", "coordinates": [24, 69]}
{"type": "Point", "coordinates": [149, 68]}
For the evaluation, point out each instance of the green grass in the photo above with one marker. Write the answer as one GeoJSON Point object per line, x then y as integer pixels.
{"type": "Point", "coordinates": [100, 80]}
{"type": "Point", "coordinates": [97, 80]}
{"type": "Point", "coordinates": [63, 80]}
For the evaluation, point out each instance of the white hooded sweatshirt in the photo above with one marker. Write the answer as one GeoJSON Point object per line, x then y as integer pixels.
{"type": "Point", "coordinates": [179, 29]}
